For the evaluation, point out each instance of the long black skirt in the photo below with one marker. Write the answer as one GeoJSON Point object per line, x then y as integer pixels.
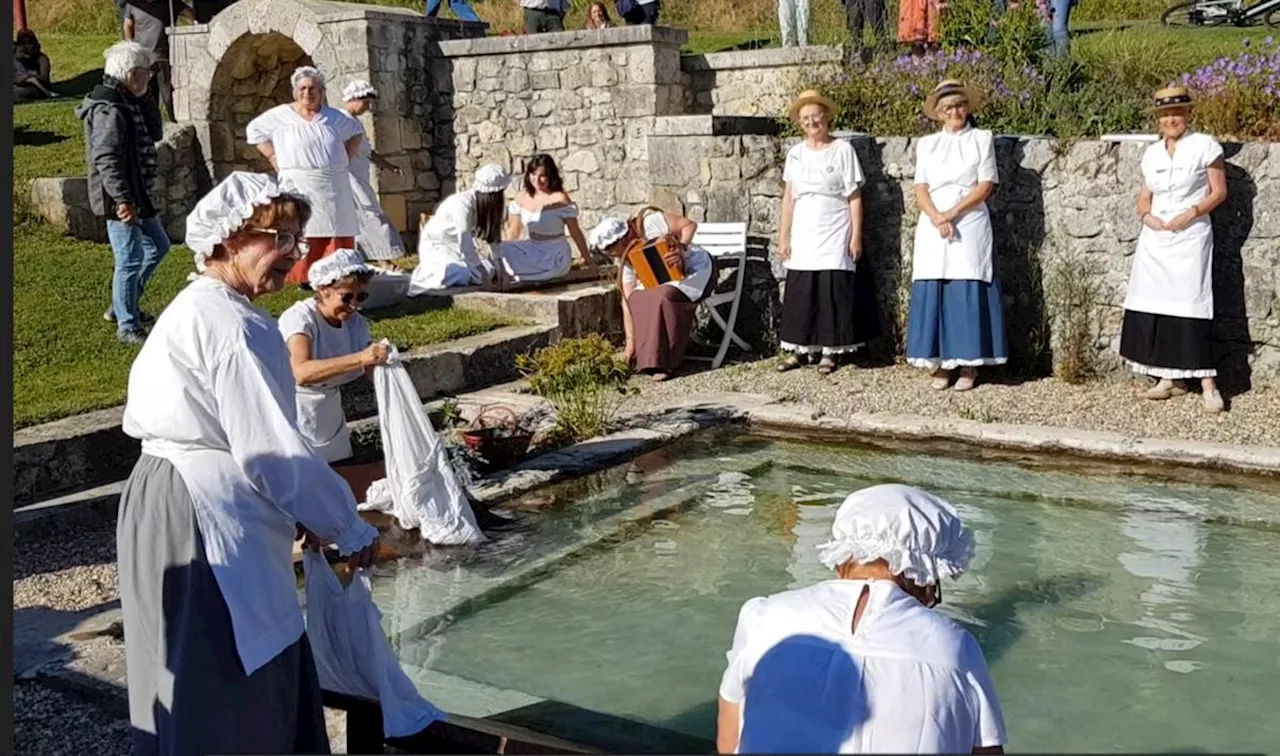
{"type": "Point", "coordinates": [828, 311]}
{"type": "Point", "coordinates": [1166, 346]}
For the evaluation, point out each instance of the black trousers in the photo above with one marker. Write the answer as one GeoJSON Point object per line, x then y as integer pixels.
{"type": "Point", "coordinates": [862, 13]}
{"type": "Point", "coordinates": [644, 15]}
{"type": "Point", "coordinates": [161, 88]}
{"type": "Point", "coordinates": [538, 21]}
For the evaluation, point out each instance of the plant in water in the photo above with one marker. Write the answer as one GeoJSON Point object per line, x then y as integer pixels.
{"type": "Point", "coordinates": [585, 381]}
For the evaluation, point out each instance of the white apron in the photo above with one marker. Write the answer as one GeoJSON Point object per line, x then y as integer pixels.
{"type": "Point", "coordinates": [333, 204]}
{"type": "Point", "coordinates": [951, 165]}
{"type": "Point", "coordinates": [323, 423]}
{"type": "Point", "coordinates": [1173, 272]}
{"type": "Point", "coordinates": [378, 238]}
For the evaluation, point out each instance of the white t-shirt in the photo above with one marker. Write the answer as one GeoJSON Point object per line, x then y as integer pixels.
{"type": "Point", "coordinates": [909, 680]}
{"type": "Point", "coordinates": [320, 416]}
{"type": "Point", "coordinates": [822, 181]}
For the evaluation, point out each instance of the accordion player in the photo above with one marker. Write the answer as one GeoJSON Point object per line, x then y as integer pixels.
{"type": "Point", "coordinates": [655, 262]}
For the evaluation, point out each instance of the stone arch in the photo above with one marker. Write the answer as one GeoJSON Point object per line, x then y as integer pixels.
{"type": "Point", "coordinates": [251, 77]}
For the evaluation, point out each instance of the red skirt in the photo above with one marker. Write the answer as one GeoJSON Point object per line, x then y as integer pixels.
{"type": "Point", "coordinates": [318, 247]}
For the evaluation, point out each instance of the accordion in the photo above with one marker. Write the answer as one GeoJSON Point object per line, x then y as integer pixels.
{"type": "Point", "coordinates": [647, 259]}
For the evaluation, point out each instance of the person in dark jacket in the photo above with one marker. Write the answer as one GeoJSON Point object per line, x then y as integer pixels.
{"type": "Point", "coordinates": [121, 127]}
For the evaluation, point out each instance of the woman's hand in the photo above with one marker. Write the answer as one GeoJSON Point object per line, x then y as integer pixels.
{"type": "Point", "coordinates": [366, 557]}
{"type": "Point", "coordinates": [784, 251]}
{"type": "Point", "coordinates": [1181, 222]}
{"type": "Point", "coordinates": [946, 229]}
{"type": "Point", "coordinates": [674, 257]}
{"type": "Point", "coordinates": [1154, 223]}
{"type": "Point", "coordinates": [855, 248]}
{"type": "Point", "coordinates": [629, 353]}
{"type": "Point", "coordinates": [375, 354]}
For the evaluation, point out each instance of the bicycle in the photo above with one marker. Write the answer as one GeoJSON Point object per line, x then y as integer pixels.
{"type": "Point", "coordinates": [1222, 12]}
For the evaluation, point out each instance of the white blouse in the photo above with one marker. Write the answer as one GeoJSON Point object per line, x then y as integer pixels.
{"type": "Point", "coordinates": [952, 164]}
{"type": "Point", "coordinates": [923, 681]}
{"type": "Point", "coordinates": [321, 418]}
{"type": "Point", "coordinates": [822, 181]}
{"type": "Point", "coordinates": [212, 392]}
{"type": "Point", "coordinates": [544, 222]}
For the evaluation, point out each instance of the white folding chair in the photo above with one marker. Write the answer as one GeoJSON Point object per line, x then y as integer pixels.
{"type": "Point", "coordinates": [726, 243]}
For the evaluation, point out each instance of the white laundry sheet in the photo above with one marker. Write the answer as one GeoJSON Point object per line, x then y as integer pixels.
{"type": "Point", "coordinates": [352, 653]}
{"type": "Point", "coordinates": [420, 490]}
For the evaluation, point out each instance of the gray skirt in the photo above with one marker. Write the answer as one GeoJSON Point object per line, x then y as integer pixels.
{"type": "Point", "coordinates": [188, 693]}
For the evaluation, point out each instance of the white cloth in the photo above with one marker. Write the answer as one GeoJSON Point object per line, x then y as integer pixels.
{"type": "Point", "coordinates": [698, 266]}
{"type": "Point", "coordinates": [925, 687]}
{"type": "Point", "coordinates": [538, 259]}
{"type": "Point", "coordinates": [793, 21]}
{"type": "Point", "coordinates": [212, 393]}
{"type": "Point", "coordinates": [447, 248]}
{"type": "Point", "coordinates": [312, 155]}
{"type": "Point", "coordinates": [952, 164]}
{"type": "Point", "coordinates": [378, 238]}
{"type": "Point", "coordinates": [1173, 271]}
{"type": "Point", "coordinates": [352, 653]}
{"type": "Point", "coordinates": [321, 419]}
{"type": "Point", "coordinates": [822, 181]}
{"type": "Point", "coordinates": [420, 490]}
{"type": "Point", "coordinates": [224, 210]}
{"type": "Point", "coordinates": [918, 534]}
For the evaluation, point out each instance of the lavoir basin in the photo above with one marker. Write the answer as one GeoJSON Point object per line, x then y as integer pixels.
{"type": "Point", "coordinates": [1120, 609]}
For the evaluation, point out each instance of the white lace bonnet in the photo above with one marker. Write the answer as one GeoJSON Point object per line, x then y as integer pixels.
{"type": "Point", "coordinates": [491, 177]}
{"type": "Point", "coordinates": [223, 211]}
{"type": "Point", "coordinates": [606, 233]}
{"type": "Point", "coordinates": [918, 534]}
{"type": "Point", "coordinates": [337, 266]}
{"type": "Point", "coordinates": [358, 90]}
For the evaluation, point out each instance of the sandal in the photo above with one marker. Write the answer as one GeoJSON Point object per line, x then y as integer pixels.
{"type": "Point", "coordinates": [790, 363]}
{"type": "Point", "coordinates": [827, 366]}
{"type": "Point", "coordinates": [966, 381]}
{"type": "Point", "coordinates": [941, 380]}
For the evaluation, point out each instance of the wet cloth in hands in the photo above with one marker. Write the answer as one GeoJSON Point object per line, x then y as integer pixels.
{"type": "Point", "coordinates": [352, 653]}
{"type": "Point", "coordinates": [420, 490]}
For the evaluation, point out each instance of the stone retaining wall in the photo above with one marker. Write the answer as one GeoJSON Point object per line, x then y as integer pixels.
{"type": "Point", "coordinates": [753, 82]}
{"type": "Point", "coordinates": [1064, 220]}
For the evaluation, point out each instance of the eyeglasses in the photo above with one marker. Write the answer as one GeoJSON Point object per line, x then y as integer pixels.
{"type": "Point", "coordinates": [286, 243]}
{"type": "Point", "coordinates": [350, 297]}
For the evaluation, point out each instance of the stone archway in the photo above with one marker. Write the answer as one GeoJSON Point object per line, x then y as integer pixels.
{"type": "Point", "coordinates": [252, 77]}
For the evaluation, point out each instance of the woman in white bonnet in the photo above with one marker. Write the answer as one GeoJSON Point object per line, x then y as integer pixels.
{"type": "Point", "coordinates": [215, 651]}
{"type": "Point", "coordinates": [447, 255]}
{"type": "Point", "coordinates": [862, 663]}
{"type": "Point", "coordinates": [378, 240]}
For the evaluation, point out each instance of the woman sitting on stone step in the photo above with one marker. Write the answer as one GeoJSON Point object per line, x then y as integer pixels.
{"type": "Point", "coordinates": [447, 254]}
{"type": "Point", "coordinates": [536, 247]}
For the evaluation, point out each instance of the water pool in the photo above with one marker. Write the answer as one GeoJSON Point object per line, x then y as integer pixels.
{"type": "Point", "coordinates": [1118, 612]}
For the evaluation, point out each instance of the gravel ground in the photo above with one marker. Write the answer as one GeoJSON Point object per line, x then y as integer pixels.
{"type": "Point", "coordinates": [71, 570]}
{"type": "Point", "coordinates": [52, 723]}
{"type": "Point", "coordinates": [1106, 405]}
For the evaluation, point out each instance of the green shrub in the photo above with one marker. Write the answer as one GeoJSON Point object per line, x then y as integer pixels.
{"type": "Point", "coordinates": [584, 380]}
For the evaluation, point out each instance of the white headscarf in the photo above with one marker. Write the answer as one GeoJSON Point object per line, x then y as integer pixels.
{"type": "Point", "coordinates": [607, 233]}
{"type": "Point", "coordinates": [491, 178]}
{"type": "Point", "coordinates": [358, 90]}
{"type": "Point", "coordinates": [918, 534]}
{"type": "Point", "coordinates": [223, 211]}
{"type": "Point", "coordinates": [337, 266]}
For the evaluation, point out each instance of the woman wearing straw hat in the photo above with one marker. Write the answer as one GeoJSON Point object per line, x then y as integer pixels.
{"type": "Point", "coordinates": [378, 240]}
{"type": "Point", "coordinates": [829, 306]}
{"type": "Point", "coordinates": [862, 663]}
{"type": "Point", "coordinates": [1168, 310]}
{"type": "Point", "coordinates": [957, 318]}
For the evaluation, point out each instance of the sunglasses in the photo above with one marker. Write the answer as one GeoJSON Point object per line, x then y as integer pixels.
{"type": "Point", "coordinates": [286, 243]}
{"type": "Point", "coordinates": [350, 297]}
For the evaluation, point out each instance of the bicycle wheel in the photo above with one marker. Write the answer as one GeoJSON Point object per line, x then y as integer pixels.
{"type": "Point", "coordinates": [1273, 18]}
{"type": "Point", "coordinates": [1193, 13]}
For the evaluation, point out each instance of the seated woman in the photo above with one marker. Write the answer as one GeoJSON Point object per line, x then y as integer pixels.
{"type": "Point", "coordinates": [446, 246]}
{"type": "Point", "coordinates": [31, 69]}
{"type": "Point", "coordinates": [330, 346]}
{"type": "Point", "coordinates": [658, 322]}
{"type": "Point", "coordinates": [541, 213]}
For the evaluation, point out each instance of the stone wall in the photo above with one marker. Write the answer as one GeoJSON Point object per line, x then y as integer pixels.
{"type": "Point", "coordinates": [753, 82]}
{"type": "Point", "coordinates": [587, 98]}
{"type": "Point", "coordinates": [181, 180]}
{"type": "Point", "coordinates": [1062, 211]}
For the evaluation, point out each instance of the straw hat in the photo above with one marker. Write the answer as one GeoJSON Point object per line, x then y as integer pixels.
{"type": "Point", "coordinates": [810, 97]}
{"type": "Point", "coordinates": [1172, 97]}
{"type": "Point", "coordinates": [946, 88]}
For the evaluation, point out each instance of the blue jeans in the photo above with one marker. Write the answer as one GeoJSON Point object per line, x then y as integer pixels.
{"type": "Point", "coordinates": [1058, 35]}
{"type": "Point", "coordinates": [460, 8]}
{"type": "Point", "coordinates": [138, 247]}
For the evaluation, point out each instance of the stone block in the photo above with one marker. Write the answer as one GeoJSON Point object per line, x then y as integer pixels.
{"type": "Point", "coordinates": [765, 215]}
{"type": "Point", "coordinates": [634, 101]}
{"type": "Point", "coordinates": [515, 110]}
{"type": "Point", "coordinates": [670, 162]}
{"type": "Point", "coordinates": [582, 161]}
{"type": "Point", "coordinates": [395, 207]}
{"type": "Point", "coordinates": [544, 80]}
{"type": "Point", "coordinates": [585, 134]}
{"type": "Point", "coordinates": [464, 74]}
{"type": "Point", "coordinates": [517, 81]}
{"type": "Point", "coordinates": [728, 202]}
{"type": "Point", "coordinates": [64, 204]}
{"type": "Point", "coordinates": [552, 138]}
{"type": "Point", "coordinates": [724, 169]}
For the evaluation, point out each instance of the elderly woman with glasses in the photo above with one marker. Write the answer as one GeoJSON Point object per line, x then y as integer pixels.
{"type": "Point", "coordinates": [311, 146]}
{"type": "Point", "coordinates": [215, 651]}
{"type": "Point", "coordinates": [330, 346]}
{"type": "Point", "coordinates": [862, 663]}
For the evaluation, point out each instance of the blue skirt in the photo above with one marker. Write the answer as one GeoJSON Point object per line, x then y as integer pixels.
{"type": "Point", "coordinates": [956, 324]}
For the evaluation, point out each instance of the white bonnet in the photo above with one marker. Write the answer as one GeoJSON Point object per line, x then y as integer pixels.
{"type": "Point", "coordinates": [918, 534]}
{"type": "Point", "coordinates": [491, 178]}
{"type": "Point", "coordinates": [607, 233]}
{"type": "Point", "coordinates": [306, 72]}
{"type": "Point", "coordinates": [223, 211]}
{"type": "Point", "coordinates": [358, 90]}
{"type": "Point", "coordinates": [337, 266]}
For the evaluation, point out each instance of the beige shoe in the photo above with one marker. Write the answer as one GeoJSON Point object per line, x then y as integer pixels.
{"type": "Point", "coordinates": [967, 379]}
{"type": "Point", "coordinates": [1165, 389]}
{"type": "Point", "coordinates": [1213, 402]}
{"type": "Point", "coordinates": [941, 380]}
